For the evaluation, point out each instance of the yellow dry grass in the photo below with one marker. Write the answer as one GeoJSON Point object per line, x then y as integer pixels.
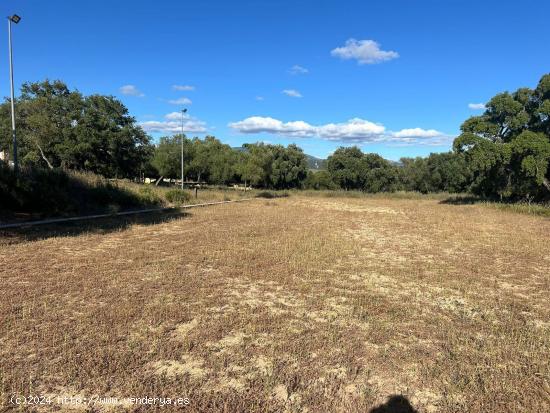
{"type": "Point", "coordinates": [289, 305]}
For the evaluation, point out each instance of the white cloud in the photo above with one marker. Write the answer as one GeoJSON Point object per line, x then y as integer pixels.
{"type": "Point", "coordinates": [180, 101]}
{"type": "Point", "coordinates": [176, 116]}
{"type": "Point", "coordinates": [298, 70]}
{"type": "Point", "coordinates": [130, 90]}
{"type": "Point", "coordinates": [172, 124]}
{"type": "Point", "coordinates": [476, 106]}
{"type": "Point", "coordinates": [259, 124]}
{"type": "Point", "coordinates": [355, 130]}
{"type": "Point", "coordinates": [417, 133]}
{"type": "Point", "coordinates": [292, 93]}
{"type": "Point", "coordinates": [183, 88]}
{"type": "Point", "coordinates": [364, 51]}
{"type": "Point", "coordinates": [260, 98]}
{"type": "Point", "coordinates": [416, 136]}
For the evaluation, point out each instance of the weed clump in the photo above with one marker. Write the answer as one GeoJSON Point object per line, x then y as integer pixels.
{"type": "Point", "coordinates": [177, 196]}
{"type": "Point", "coordinates": [149, 196]}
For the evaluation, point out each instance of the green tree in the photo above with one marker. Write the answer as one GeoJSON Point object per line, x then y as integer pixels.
{"type": "Point", "coordinates": [319, 180]}
{"type": "Point", "coordinates": [345, 167]}
{"type": "Point", "coordinates": [350, 168]}
{"type": "Point", "coordinates": [46, 114]}
{"type": "Point", "coordinates": [289, 167]}
{"type": "Point", "coordinates": [506, 147]}
{"type": "Point", "coordinates": [414, 174]}
{"type": "Point", "coordinates": [259, 163]}
{"type": "Point", "coordinates": [272, 166]}
{"type": "Point", "coordinates": [439, 172]}
{"type": "Point", "coordinates": [377, 174]}
{"type": "Point", "coordinates": [531, 151]}
{"type": "Point", "coordinates": [248, 169]}
{"type": "Point", "coordinates": [167, 156]}
{"type": "Point", "coordinates": [58, 127]}
{"type": "Point", "coordinates": [213, 161]}
{"type": "Point", "coordinates": [108, 140]}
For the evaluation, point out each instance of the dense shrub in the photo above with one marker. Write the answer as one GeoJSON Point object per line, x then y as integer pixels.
{"type": "Point", "coordinates": [351, 169]}
{"type": "Point", "coordinates": [439, 172]}
{"type": "Point", "coordinates": [57, 192]}
{"type": "Point", "coordinates": [177, 196]}
{"type": "Point", "coordinates": [148, 195]}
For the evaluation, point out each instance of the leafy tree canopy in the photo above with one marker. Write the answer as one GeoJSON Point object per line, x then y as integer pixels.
{"type": "Point", "coordinates": [61, 128]}
{"type": "Point", "coordinates": [508, 147]}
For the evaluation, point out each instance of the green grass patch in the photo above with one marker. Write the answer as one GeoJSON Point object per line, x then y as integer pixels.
{"type": "Point", "coordinates": [177, 196]}
{"type": "Point", "coordinates": [542, 210]}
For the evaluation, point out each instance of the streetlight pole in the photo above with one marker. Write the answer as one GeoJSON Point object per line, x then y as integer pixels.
{"type": "Point", "coordinates": [182, 116]}
{"type": "Point", "coordinates": [15, 19]}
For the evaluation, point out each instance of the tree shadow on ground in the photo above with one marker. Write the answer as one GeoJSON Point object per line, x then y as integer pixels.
{"type": "Point", "coordinates": [395, 404]}
{"type": "Point", "coordinates": [91, 226]}
{"type": "Point", "coordinates": [462, 200]}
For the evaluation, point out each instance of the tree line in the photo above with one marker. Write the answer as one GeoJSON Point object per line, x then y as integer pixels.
{"type": "Point", "coordinates": [209, 160]}
{"type": "Point", "coordinates": [503, 153]}
{"type": "Point", "coordinates": [61, 128]}
{"type": "Point", "coordinates": [279, 167]}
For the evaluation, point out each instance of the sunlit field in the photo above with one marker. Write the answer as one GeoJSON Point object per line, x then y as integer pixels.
{"type": "Point", "coordinates": [298, 304]}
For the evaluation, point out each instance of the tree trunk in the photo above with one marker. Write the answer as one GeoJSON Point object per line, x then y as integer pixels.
{"type": "Point", "coordinates": [545, 181]}
{"type": "Point", "coordinates": [44, 156]}
{"type": "Point", "coordinates": [159, 180]}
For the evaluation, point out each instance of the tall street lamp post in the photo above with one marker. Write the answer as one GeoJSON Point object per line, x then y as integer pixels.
{"type": "Point", "coordinates": [183, 111]}
{"type": "Point", "coordinates": [15, 19]}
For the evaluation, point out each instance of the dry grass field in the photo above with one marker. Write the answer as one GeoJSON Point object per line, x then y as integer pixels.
{"type": "Point", "coordinates": [299, 304]}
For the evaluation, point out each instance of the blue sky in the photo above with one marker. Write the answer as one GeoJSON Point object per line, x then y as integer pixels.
{"type": "Point", "coordinates": [393, 77]}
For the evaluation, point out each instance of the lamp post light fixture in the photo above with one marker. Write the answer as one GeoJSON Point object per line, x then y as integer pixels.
{"type": "Point", "coordinates": [15, 19]}
{"type": "Point", "coordinates": [183, 111]}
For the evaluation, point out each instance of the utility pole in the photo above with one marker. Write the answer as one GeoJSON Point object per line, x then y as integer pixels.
{"type": "Point", "coordinates": [15, 19]}
{"type": "Point", "coordinates": [183, 111]}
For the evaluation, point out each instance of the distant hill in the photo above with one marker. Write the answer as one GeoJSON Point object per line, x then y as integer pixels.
{"type": "Point", "coordinates": [316, 163]}
{"type": "Point", "coordinates": [312, 161]}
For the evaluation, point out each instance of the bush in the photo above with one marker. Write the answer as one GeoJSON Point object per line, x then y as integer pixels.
{"type": "Point", "coordinates": [33, 188]}
{"type": "Point", "coordinates": [148, 195]}
{"type": "Point", "coordinates": [177, 196]}
{"type": "Point", "coordinates": [45, 192]}
{"type": "Point", "coordinates": [270, 195]}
